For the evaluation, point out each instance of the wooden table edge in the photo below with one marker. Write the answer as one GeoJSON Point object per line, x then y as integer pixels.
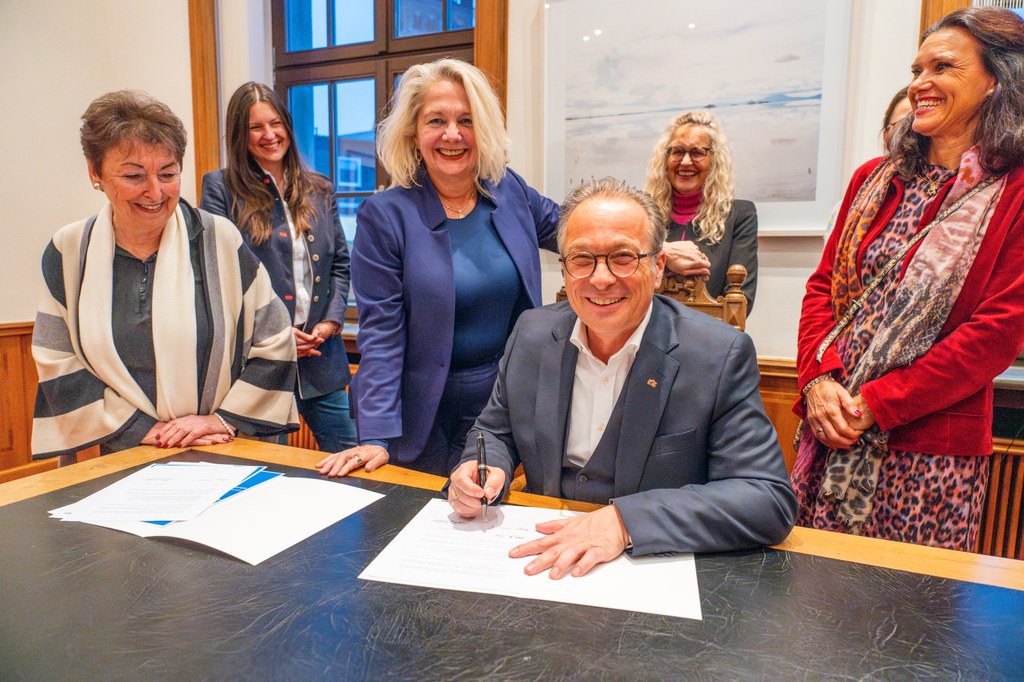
{"type": "Point", "coordinates": [942, 563]}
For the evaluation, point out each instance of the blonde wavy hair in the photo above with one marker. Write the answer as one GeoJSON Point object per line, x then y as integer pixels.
{"type": "Point", "coordinates": [718, 191]}
{"type": "Point", "coordinates": [396, 134]}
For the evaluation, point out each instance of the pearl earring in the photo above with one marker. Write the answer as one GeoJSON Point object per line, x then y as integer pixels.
{"type": "Point", "coordinates": [96, 185]}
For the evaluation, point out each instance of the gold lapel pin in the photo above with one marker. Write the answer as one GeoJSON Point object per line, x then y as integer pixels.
{"type": "Point", "coordinates": [652, 383]}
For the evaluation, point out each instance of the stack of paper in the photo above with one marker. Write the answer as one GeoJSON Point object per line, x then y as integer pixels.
{"type": "Point", "coordinates": [244, 511]}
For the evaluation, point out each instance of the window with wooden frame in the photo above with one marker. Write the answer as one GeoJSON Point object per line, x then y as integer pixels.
{"type": "Point", "coordinates": [336, 63]}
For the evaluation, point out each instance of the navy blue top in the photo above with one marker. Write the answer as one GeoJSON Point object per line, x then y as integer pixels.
{"type": "Point", "coordinates": [487, 287]}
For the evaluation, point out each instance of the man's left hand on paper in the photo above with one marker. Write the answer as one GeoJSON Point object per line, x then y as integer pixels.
{"type": "Point", "coordinates": [575, 545]}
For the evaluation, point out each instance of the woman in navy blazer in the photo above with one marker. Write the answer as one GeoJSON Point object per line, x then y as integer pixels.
{"type": "Point", "coordinates": [288, 217]}
{"type": "Point", "coordinates": [443, 263]}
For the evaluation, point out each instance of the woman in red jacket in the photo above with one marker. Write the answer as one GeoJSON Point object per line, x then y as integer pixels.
{"type": "Point", "coordinates": [918, 302]}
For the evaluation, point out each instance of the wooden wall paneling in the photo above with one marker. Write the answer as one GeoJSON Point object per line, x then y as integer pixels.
{"type": "Point", "coordinates": [490, 44]}
{"type": "Point", "coordinates": [202, 28]}
{"type": "Point", "coordinates": [779, 393]}
{"type": "Point", "coordinates": [933, 10]}
{"type": "Point", "coordinates": [19, 379]}
{"type": "Point", "coordinates": [19, 394]}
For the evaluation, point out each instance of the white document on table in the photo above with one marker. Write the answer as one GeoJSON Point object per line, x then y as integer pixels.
{"type": "Point", "coordinates": [262, 521]}
{"type": "Point", "coordinates": [165, 491]}
{"type": "Point", "coordinates": [438, 548]}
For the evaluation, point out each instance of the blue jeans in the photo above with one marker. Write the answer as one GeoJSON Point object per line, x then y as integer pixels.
{"type": "Point", "coordinates": [329, 420]}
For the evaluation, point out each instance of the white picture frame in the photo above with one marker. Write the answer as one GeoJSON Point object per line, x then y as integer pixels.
{"type": "Point", "coordinates": [774, 73]}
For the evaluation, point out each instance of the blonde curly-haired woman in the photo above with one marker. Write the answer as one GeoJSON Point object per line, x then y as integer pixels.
{"type": "Point", "coordinates": [690, 178]}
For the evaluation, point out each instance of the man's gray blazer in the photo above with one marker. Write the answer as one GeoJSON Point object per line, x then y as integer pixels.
{"type": "Point", "coordinates": [698, 466]}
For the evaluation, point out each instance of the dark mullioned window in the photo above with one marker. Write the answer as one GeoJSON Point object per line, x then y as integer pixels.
{"type": "Point", "coordinates": [336, 65]}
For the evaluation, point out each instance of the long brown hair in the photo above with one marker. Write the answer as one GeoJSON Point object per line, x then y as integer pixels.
{"type": "Point", "coordinates": [1000, 131]}
{"type": "Point", "coordinates": [253, 202]}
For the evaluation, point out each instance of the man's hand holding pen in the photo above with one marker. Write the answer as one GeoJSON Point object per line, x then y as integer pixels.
{"type": "Point", "coordinates": [467, 497]}
{"type": "Point", "coordinates": [481, 467]}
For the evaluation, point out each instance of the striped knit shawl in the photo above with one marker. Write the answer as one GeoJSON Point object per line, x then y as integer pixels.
{"type": "Point", "coordinates": [86, 394]}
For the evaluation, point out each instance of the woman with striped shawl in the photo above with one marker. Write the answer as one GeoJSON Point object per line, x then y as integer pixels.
{"type": "Point", "coordinates": [157, 325]}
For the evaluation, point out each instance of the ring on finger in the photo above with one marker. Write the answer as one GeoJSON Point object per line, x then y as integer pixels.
{"type": "Point", "coordinates": [357, 459]}
{"type": "Point", "coordinates": [455, 495]}
{"type": "Point", "coordinates": [820, 430]}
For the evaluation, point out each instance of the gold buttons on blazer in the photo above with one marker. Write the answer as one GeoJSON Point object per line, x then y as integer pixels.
{"type": "Point", "coordinates": [315, 299]}
{"type": "Point", "coordinates": [309, 237]}
{"type": "Point", "coordinates": [317, 279]}
{"type": "Point", "coordinates": [316, 257]}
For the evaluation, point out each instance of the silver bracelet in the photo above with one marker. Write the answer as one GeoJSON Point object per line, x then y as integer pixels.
{"type": "Point", "coordinates": [227, 427]}
{"type": "Point", "coordinates": [815, 381]}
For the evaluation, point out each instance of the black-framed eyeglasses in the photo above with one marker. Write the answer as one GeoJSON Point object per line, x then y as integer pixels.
{"type": "Point", "coordinates": [697, 154]}
{"type": "Point", "coordinates": [621, 262]}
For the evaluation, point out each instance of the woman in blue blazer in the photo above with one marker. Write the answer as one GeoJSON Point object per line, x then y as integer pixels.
{"type": "Point", "coordinates": [288, 217]}
{"type": "Point", "coordinates": [443, 263]}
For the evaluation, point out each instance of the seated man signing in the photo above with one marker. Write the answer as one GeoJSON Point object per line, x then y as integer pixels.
{"type": "Point", "coordinates": [625, 397]}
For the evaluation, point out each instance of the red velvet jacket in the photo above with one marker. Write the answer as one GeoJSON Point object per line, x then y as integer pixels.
{"type": "Point", "coordinates": [942, 402]}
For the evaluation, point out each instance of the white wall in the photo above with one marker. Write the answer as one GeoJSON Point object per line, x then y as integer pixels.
{"type": "Point", "coordinates": [58, 56]}
{"type": "Point", "coordinates": [245, 47]}
{"type": "Point", "coordinates": [884, 40]}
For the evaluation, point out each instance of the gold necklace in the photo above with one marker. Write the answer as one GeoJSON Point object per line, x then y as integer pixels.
{"type": "Point", "coordinates": [933, 185]}
{"type": "Point", "coordinates": [472, 197]}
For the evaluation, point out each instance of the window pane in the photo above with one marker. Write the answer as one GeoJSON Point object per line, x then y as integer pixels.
{"type": "Point", "coordinates": [355, 104]}
{"type": "Point", "coordinates": [306, 24]}
{"type": "Point", "coordinates": [311, 117]}
{"type": "Point", "coordinates": [461, 14]}
{"type": "Point", "coordinates": [347, 212]}
{"type": "Point", "coordinates": [417, 17]}
{"type": "Point", "coordinates": [353, 21]}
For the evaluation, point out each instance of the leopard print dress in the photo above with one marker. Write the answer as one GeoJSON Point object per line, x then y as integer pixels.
{"type": "Point", "coordinates": [921, 498]}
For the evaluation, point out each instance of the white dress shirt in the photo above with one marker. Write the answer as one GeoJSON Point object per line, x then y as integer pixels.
{"type": "Point", "coordinates": [595, 390]}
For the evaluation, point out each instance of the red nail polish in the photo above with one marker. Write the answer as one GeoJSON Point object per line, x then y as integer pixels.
{"type": "Point", "coordinates": [856, 413]}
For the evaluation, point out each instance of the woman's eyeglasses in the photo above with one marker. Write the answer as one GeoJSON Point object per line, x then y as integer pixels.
{"type": "Point", "coordinates": [697, 154]}
{"type": "Point", "coordinates": [621, 262]}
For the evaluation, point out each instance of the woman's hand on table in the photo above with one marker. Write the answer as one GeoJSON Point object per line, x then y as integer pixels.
{"type": "Point", "coordinates": [834, 414]}
{"type": "Point", "coordinates": [185, 431]}
{"type": "Point", "coordinates": [684, 258]}
{"type": "Point", "coordinates": [342, 463]}
{"type": "Point", "coordinates": [464, 492]}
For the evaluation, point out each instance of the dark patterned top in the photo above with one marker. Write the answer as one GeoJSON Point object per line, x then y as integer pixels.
{"type": "Point", "coordinates": [904, 224]}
